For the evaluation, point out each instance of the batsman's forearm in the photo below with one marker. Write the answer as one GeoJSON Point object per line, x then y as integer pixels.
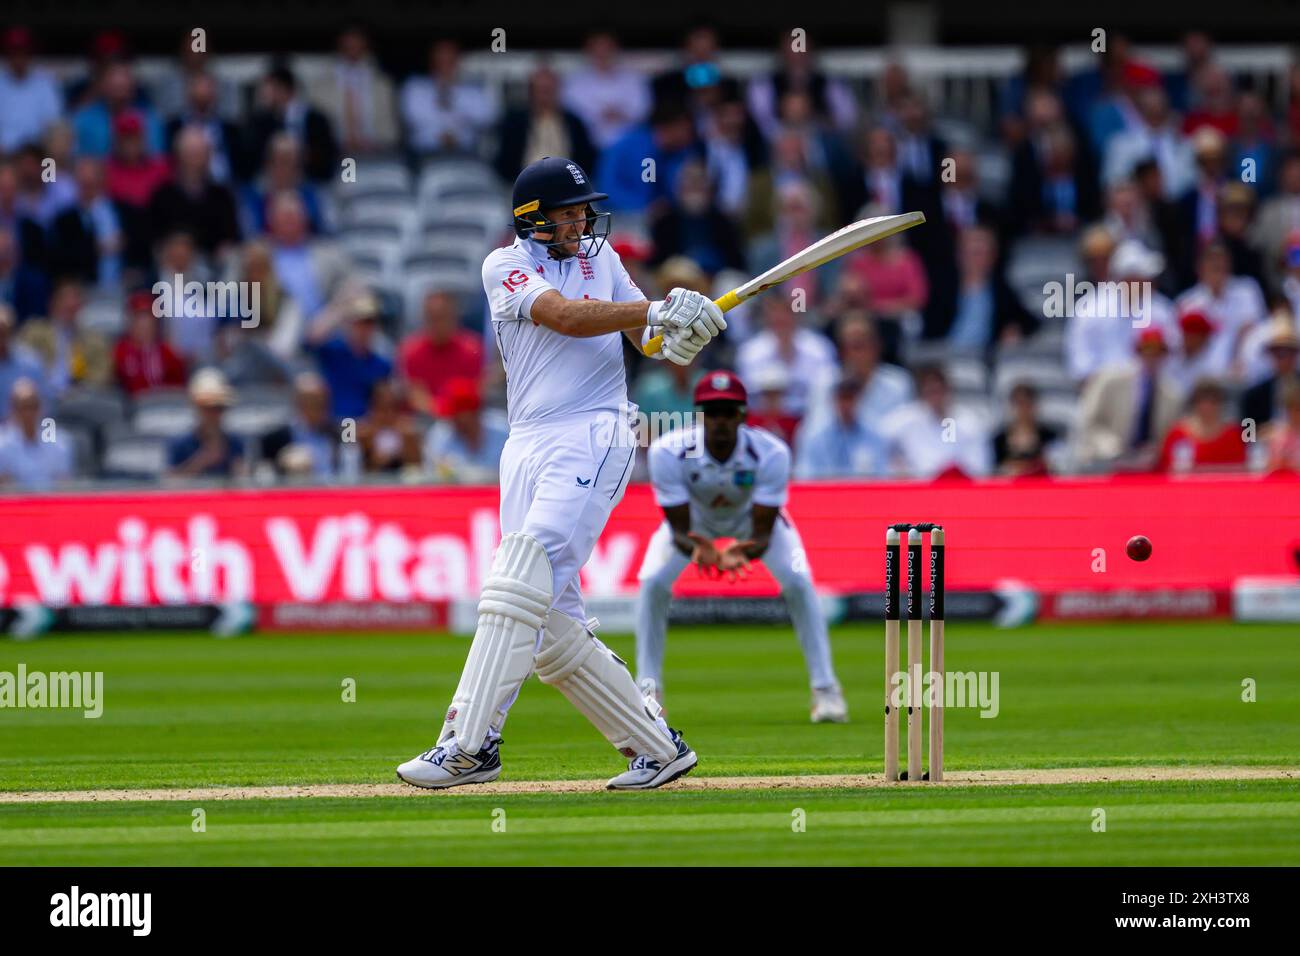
{"type": "Point", "coordinates": [584, 318]}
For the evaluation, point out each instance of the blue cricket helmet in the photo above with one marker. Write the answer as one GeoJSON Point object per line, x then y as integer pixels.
{"type": "Point", "coordinates": [549, 183]}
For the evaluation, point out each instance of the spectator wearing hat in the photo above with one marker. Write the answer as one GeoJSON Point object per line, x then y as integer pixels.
{"type": "Point", "coordinates": [1236, 212]}
{"type": "Point", "coordinates": [1262, 401]}
{"type": "Point", "coordinates": [115, 96]}
{"type": "Point", "coordinates": [29, 100]}
{"type": "Point", "coordinates": [282, 108]}
{"type": "Point", "coordinates": [465, 444]}
{"type": "Point", "coordinates": [348, 359]}
{"type": "Point", "coordinates": [428, 360]}
{"type": "Point", "coordinates": [311, 432]}
{"type": "Point", "coordinates": [31, 458]}
{"type": "Point", "coordinates": [1233, 304]}
{"type": "Point", "coordinates": [1099, 332]}
{"type": "Point", "coordinates": [842, 447]}
{"type": "Point", "coordinates": [798, 355]}
{"type": "Point", "coordinates": [142, 358]}
{"type": "Point", "coordinates": [193, 200]}
{"type": "Point", "coordinates": [1199, 204]}
{"type": "Point", "coordinates": [70, 353]}
{"type": "Point", "coordinates": [17, 361]}
{"type": "Point", "coordinates": [935, 436]}
{"type": "Point", "coordinates": [1201, 439]}
{"type": "Point", "coordinates": [208, 451]}
{"type": "Point", "coordinates": [1126, 409]}
{"type": "Point", "coordinates": [1193, 358]}
{"type": "Point", "coordinates": [1020, 447]}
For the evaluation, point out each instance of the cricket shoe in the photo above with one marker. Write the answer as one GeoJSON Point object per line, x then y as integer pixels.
{"type": "Point", "coordinates": [829, 706]}
{"type": "Point", "coordinates": [446, 766]}
{"type": "Point", "coordinates": [647, 773]}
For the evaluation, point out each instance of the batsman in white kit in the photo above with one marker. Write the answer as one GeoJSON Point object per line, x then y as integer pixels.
{"type": "Point", "coordinates": [560, 302]}
{"type": "Point", "coordinates": [726, 479]}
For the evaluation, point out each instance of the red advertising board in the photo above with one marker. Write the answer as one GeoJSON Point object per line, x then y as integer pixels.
{"type": "Point", "coordinates": [435, 543]}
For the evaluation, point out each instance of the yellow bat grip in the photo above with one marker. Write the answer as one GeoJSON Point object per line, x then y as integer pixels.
{"type": "Point", "coordinates": [726, 304]}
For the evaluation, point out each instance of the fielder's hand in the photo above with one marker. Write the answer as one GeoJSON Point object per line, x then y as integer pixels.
{"type": "Point", "coordinates": [685, 310]}
{"type": "Point", "coordinates": [705, 556]}
{"type": "Point", "coordinates": [733, 561]}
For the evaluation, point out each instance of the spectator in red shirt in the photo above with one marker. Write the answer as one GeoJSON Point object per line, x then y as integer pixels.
{"type": "Point", "coordinates": [1202, 439]}
{"type": "Point", "coordinates": [142, 359]}
{"type": "Point", "coordinates": [132, 174]}
{"type": "Point", "coordinates": [441, 352]}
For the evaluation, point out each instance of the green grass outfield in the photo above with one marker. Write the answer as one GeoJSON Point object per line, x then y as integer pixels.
{"type": "Point", "coordinates": [186, 711]}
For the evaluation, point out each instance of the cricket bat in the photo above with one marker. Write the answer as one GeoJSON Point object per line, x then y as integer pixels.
{"type": "Point", "coordinates": [851, 237]}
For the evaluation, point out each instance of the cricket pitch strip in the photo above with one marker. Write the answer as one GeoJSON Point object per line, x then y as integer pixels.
{"type": "Point", "coordinates": [959, 778]}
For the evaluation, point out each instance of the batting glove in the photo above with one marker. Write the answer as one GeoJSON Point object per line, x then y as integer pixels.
{"type": "Point", "coordinates": [683, 309]}
{"type": "Point", "coordinates": [681, 347]}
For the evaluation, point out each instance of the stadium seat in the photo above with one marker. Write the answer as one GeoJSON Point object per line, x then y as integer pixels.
{"type": "Point", "coordinates": [163, 413]}
{"type": "Point", "coordinates": [135, 457]}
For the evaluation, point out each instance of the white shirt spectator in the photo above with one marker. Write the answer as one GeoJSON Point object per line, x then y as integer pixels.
{"type": "Point", "coordinates": [609, 101]}
{"type": "Point", "coordinates": [1235, 310]}
{"type": "Point", "coordinates": [28, 106]}
{"type": "Point", "coordinates": [813, 362]}
{"type": "Point", "coordinates": [917, 440]}
{"type": "Point", "coordinates": [32, 465]}
{"type": "Point", "coordinates": [889, 388]}
{"type": "Point", "coordinates": [1167, 146]}
{"type": "Point", "coordinates": [1101, 332]}
{"type": "Point", "coordinates": [439, 116]}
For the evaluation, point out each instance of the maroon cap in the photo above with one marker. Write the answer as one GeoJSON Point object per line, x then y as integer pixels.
{"type": "Point", "coordinates": [720, 386]}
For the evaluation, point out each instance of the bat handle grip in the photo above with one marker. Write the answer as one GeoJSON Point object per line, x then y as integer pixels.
{"type": "Point", "coordinates": [726, 304]}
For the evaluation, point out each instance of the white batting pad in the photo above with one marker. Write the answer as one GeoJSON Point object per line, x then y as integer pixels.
{"type": "Point", "coordinates": [513, 606]}
{"type": "Point", "coordinates": [599, 684]}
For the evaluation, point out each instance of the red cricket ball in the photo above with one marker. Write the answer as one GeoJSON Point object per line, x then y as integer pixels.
{"type": "Point", "coordinates": [1138, 547]}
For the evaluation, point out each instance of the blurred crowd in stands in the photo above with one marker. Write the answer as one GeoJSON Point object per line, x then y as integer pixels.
{"type": "Point", "coordinates": [1108, 278]}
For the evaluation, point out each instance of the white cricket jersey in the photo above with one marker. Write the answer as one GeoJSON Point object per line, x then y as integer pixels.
{"type": "Point", "coordinates": [720, 493]}
{"type": "Point", "coordinates": [549, 375]}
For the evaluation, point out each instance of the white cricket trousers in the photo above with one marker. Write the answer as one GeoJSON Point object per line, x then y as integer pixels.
{"type": "Point", "coordinates": [785, 559]}
{"type": "Point", "coordinates": [560, 479]}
